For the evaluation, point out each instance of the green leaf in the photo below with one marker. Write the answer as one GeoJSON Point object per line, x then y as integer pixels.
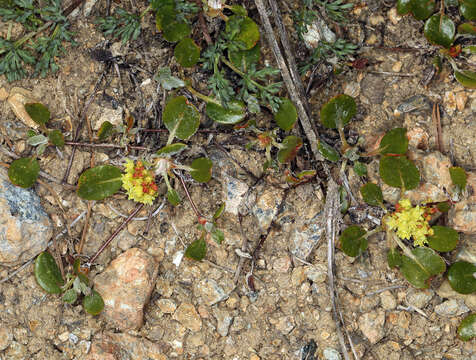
{"type": "Point", "coordinates": [219, 211]}
{"type": "Point", "coordinates": [93, 303]}
{"type": "Point", "coordinates": [443, 239]}
{"type": "Point", "coordinates": [248, 33]}
{"type": "Point", "coordinates": [181, 118]}
{"type": "Point", "coordinates": [165, 12]}
{"type": "Point", "coordinates": [422, 9]}
{"type": "Point", "coordinates": [48, 274]}
{"type": "Point", "coordinates": [398, 171]}
{"type": "Point", "coordinates": [461, 277]}
{"type": "Point", "coordinates": [338, 111]}
{"type": "Point", "coordinates": [344, 200]}
{"type": "Point", "coordinates": [197, 249]}
{"type": "Point", "coordinates": [173, 197]}
{"type": "Point", "coordinates": [467, 29]}
{"type": "Point", "coordinates": [458, 177]}
{"type": "Point", "coordinates": [443, 206]}
{"type": "Point", "coordinates": [467, 8]}
{"type": "Point", "coordinates": [286, 115]}
{"type": "Point", "coordinates": [234, 113]}
{"type": "Point", "coordinates": [77, 271]}
{"type": "Point", "coordinates": [353, 241]}
{"type": "Point", "coordinates": [404, 7]}
{"type": "Point", "coordinates": [243, 59]}
{"type": "Point", "coordinates": [440, 30]}
{"type": "Point", "coordinates": [39, 113]}
{"type": "Point", "coordinates": [467, 328]}
{"type": "Point", "coordinates": [449, 3]}
{"type": "Point", "coordinates": [217, 235]}
{"type": "Point", "coordinates": [238, 10]}
{"type": "Point", "coordinates": [394, 258]}
{"type": "Point", "coordinates": [372, 194]}
{"type": "Point", "coordinates": [202, 170]}
{"type": "Point", "coordinates": [36, 140]}
{"type": "Point", "coordinates": [174, 30]}
{"type": "Point", "coordinates": [327, 151]}
{"type": "Point", "coordinates": [172, 149]}
{"type": "Point", "coordinates": [167, 81]}
{"type": "Point", "coordinates": [394, 141]}
{"type": "Point", "coordinates": [360, 168]}
{"type": "Point", "coordinates": [427, 263]}
{"type": "Point", "coordinates": [187, 53]}
{"type": "Point", "coordinates": [99, 182]}
{"type": "Point", "coordinates": [56, 137]}
{"type": "Point", "coordinates": [289, 148]}
{"type": "Point", "coordinates": [466, 78]}
{"type": "Point", "coordinates": [106, 130]}
{"type": "Point", "coordinates": [70, 296]}
{"type": "Point", "coordinates": [24, 172]}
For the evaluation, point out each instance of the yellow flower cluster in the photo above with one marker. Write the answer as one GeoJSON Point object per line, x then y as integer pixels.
{"type": "Point", "coordinates": [139, 182]}
{"type": "Point", "coordinates": [410, 221]}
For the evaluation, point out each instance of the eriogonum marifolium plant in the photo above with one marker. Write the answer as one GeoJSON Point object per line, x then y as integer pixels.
{"type": "Point", "coordinates": [441, 30]}
{"type": "Point", "coordinates": [414, 237]}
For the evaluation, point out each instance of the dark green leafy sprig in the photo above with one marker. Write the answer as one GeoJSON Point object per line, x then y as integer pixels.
{"type": "Point", "coordinates": [122, 25]}
{"type": "Point", "coordinates": [336, 10]}
{"type": "Point", "coordinates": [185, 10]}
{"type": "Point", "coordinates": [340, 49]}
{"type": "Point", "coordinates": [12, 64]}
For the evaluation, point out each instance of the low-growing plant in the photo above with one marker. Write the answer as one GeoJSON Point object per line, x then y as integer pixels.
{"type": "Point", "coordinates": [441, 30]}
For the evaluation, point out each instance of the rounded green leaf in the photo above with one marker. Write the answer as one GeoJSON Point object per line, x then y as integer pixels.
{"type": "Point", "coordinates": [56, 137]}
{"type": "Point", "coordinates": [24, 172]}
{"type": "Point", "coordinates": [286, 115]}
{"type": "Point", "coordinates": [202, 170]}
{"type": "Point", "coordinates": [394, 141]}
{"type": "Point", "coordinates": [398, 171]}
{"type": "Point", "coordinates": [372, 194]}
{"type": "Point", "coordinates": [172, 149]}
{"type": "Point", "coordinates": [238, 10]}
{"type": "Point", "coordinates": [461, 277]}
{"type": "Point", "coordinates": [418, 271]}
{"type": "Point", "coordinates": [48, 274]}
{"type": "Point", "coordinates": [77, 271]}
{"type": "Point", "coordinates": [466, 78]}
{"type": "Point", "coordinates": [338, 111]}
{"type": "Point", "coordinates": [289, 148]}
{"type": "Point", "coordinates": [443, 239]}
{"type": "Point", "coordinates": [242, 59]}
{"type": "Point", "coordinates": [99, 182]}
{"type": "Point", "coordinates": [360, 168]}
{"type": "Point", "coordinates": [440, 30]}
{"type": "Point", "coordinates": [404, 7]}
{"type": "Point", "coordinates": [467, 29]}
{"type": "Point", "coordinates": [467, 328]}
{"type": "Point", "coordinates": [353, 241]}
{"type": "Point", "coordinates": [93, 303]}
{"type": "Point", "coordinates": [39, 113]}
{"type": "Point", "coordinates": [181, 118]}
{"type": "Point", "coordinates": [394, 258]}
{"type": "Point", "coordinates": [231, 115]}
{"type": "Point", "coordinates": [344, 200]}
{"type": "Point", "coordinates": [106, 130]}
{"type": "Point", "coordinates": [173, 197]}
{"type": "Point", "coordinates": [196, 250]}
{"type": "Point", "coordinates": [443, 206]}
{"type": "Point", "coordinates": [422, 9]}
{"type": "Point", "coordinates": [458, 176]}
{"type": "Point", "coordinates": [70, 296]}
{"type": "Point", "coordinates": [467, 8]}
{"type": "Point", "coordinates": [246, 32]}
{"type": "Point", "coordinates": [164, 12]}
{"type": "Point", "coordinates": [328, 151]}
{"type": "Point", "coordinates": [187, 52]}
{"type": "Point", "coordinates": [174, 30]}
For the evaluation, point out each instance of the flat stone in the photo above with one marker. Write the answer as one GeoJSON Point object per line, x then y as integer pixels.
{"type": "Point", "coordinates": [267, 206]}
{"type": "Point", "coordinates": [234, 191]}
{"type": "Point", "coordinates": [125, 286]}
{"type": "Point", "coordinates": [17, 100]}
{"type": "Point", "coordinates": [25, 228]}
{"type": "Point", "coordinates": [6, 337]}
{"type": "Point", "coordinates": [166, 306]}
{"type": "Point", "coordinates": [108, 345]}
{"type": "Point", "coordinates": [224, 321]}
{"type": "Point", "coordinates": [187, 315]}
{"type": "Point", "coordinates": [419, 298]}
{"type": "Point", "coordinates": [372, 325]}
{"type": "Point", "coordinates": [462, 215]}
{"type": "Point", "coordinates": [285, 324]}
{"type": "Point", "coordinates": [387, 300]}
{"type": "Point", "coordinates": [445, 291]}
{"type": "Point", "coordinates": [305, 235]}
{"type": "Point", "coordinates": [373, 89]}
{"type": "Point", "coordinates": [331, 354]}
{"type": "Point", "coordinates": [210, 292]}
{"type": "Point", "coordinates": [3, 94]}
{"type": "Point", "coordinates": [101, 114]}
{"type": "Point", "coordinates": [451, 307]}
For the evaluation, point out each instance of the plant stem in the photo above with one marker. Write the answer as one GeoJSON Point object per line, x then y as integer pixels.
{"type": "Point", "coordinates": [145, 11]}
{"type": "Point", "coordinates": [114, 146]}
{"type": "Point", "coordinates": [205, 98]}
{"type": "Point", "coordinates": [242, 74]}
{"type": "Point", "coordinates": [195, 210]}
{"type": "Point", "coordinates": [114, 234]}
{"type": "Point", "coordinates": [402, 246]}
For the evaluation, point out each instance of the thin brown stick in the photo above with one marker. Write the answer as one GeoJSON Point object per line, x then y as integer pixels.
{"type": "Point", "coordinates": [195, 210]}
{"type": "Point", "coordinates": [293, 93]}
{"type": "Point", "coordinates": [112, 146]}
{"type": "Point", "coordinates": [437, 121]}
{"type": "Point", "coordinates": [114, 234]}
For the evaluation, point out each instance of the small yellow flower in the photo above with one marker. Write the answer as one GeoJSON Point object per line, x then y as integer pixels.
{"type": "Point", "coordinates": [139, 182]}
{"type": "Point", "coordinates": [410, 221]}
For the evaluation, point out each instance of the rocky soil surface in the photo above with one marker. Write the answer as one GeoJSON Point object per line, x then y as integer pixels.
{"type": "Point", "coordinates": [160, 305]}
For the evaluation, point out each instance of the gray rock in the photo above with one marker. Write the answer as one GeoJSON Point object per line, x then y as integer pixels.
{"type": "Point", "coordinates": [373, 88]}
{"type": "Point", "coordinates": [224, 320]}
{"type": "Point", "coordinates": [267, 206]}
{"type": "Point", "coordinates": [6, 337]}
{"type": "Point", "coordinates": [419, 298]}
{"type": "Point", "coordinates": [331, 354]}
{"type": "Point", "coordinates": [306, 235]}
{"type": "Point", "coordinates": [234, 190]}
{"type": "Point", "coordinates": [451, 307]}
{"type": "Point", "coordinates": [25, 228]}
{"type": "Point", "coordinates": [372, 325]}
{"type": "Point", "coordinates": [210, 292]}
